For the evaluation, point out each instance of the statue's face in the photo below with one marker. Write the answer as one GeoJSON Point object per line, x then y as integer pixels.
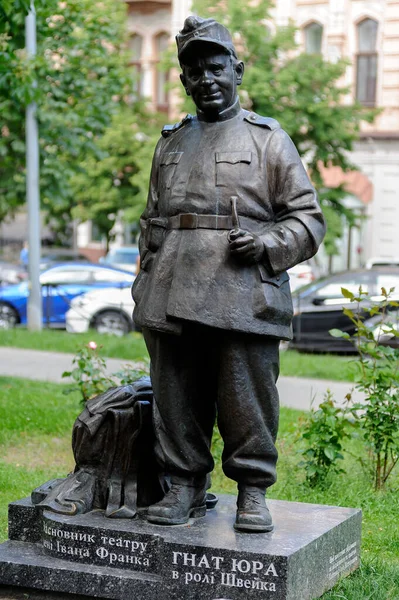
{"type": "Point", "coordinates": [212, 79]}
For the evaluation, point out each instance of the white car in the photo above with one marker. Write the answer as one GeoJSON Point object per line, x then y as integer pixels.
{"type": "Point", "coordinates": [106, 310]}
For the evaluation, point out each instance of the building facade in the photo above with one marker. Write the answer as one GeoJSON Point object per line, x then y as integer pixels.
{"type": "Point", "coordinates": [367, 33]}
{"type": "Point", "coordinates": [152, 25]}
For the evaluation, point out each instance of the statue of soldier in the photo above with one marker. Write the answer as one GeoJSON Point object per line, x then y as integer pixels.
{"type": "Point", "coordinates": [230, 208]}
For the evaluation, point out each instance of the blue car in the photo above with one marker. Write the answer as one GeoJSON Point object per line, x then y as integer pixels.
{"type": "Point", "coordinates": [60, 284]}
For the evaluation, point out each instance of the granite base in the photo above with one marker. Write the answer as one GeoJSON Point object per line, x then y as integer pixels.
{"type": "Point", "coordinates": [311, 547]}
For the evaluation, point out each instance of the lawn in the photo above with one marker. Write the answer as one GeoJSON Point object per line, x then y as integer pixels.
{"type": "Point", "coordinates": [35, 446]}
{"type": "Point", "coordinates": [132, 347]}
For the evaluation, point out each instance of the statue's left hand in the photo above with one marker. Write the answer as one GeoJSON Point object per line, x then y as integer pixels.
{"type": "Point", "coordinates": [246, 246]}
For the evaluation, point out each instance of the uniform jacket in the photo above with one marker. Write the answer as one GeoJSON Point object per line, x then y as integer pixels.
{"type": "Point", "coordinates": [189, 274]}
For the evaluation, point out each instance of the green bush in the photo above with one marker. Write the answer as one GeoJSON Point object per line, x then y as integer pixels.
{"type": "Point", "coordinates": [323, 434]}
{"type": "Point", "coordinates": [90, 373]}
{"type": "Point", "coordinates": [377, 377]}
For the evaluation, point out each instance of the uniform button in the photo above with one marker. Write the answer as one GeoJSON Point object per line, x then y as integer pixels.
{"type": "Point", "coordinates": [278, 277]}
{"type": "Point", "coordinates": [253, 117]}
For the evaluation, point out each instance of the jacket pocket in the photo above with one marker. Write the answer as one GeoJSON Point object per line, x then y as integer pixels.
{"type": "Point", "coordinates": [140, 283]}
{"type": "Point", "coordinates": [147, 262]}
{"type": "Point", "coordinates": [272, 297]}
{"type": "Point", "coordinates": [167, 168]}
{"type": "Point", "coordinates": [155, 233]}
{"type": "Point", "coordinates": [232, 166]}
{"type": "Point", "coordinates": [139, 287]}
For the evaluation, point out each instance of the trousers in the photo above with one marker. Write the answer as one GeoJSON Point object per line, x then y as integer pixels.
{"type": "Point", "coordinates": [204, 374]}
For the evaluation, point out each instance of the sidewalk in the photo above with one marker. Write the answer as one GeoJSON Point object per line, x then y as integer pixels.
{"type": "Point", "coordinates": [295, 392]}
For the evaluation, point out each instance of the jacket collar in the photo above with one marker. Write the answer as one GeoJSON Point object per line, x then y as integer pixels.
{"type": "Point", "coordinates": [225, 115]}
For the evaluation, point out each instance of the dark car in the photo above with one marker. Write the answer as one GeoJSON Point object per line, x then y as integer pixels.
{"type": "Point", "coordinates": [60, 284]}
{"type": "Point", "coordinates": [318, 307]}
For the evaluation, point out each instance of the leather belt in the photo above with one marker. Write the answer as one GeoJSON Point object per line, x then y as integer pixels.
{"type": "Point", "coordinates": [194, 221]}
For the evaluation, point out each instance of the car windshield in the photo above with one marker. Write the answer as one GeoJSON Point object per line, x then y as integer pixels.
{"type": "Point", "coordinates": [65, 274]}
{"type": "Point", "coordinates": [125, 257]}
{"type": "Point", "coordinates": [331, 286]}
{"type": "Point", "coordinates": [309, 288]}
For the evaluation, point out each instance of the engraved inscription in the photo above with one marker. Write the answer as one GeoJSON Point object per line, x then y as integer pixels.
{"type": "Point", "coordinates": [343, 560]}
{"type": "Point", "coordinates": [68, 535]}
{"type": "Point", "coordinates": [123, 551]}
{"type": "Point", "coordinates": [190, 568]}
{"type": "Point", "coordinates": [114, 558]}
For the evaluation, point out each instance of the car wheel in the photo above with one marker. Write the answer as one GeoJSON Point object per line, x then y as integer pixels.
{"type": "Point", "coordinates": [112, 322]}
{"type": "Point", "coordinates": [8, 316]}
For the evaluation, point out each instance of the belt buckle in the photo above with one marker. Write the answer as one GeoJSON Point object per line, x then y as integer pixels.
{"type": "Point", "coordinates": [188, 221]}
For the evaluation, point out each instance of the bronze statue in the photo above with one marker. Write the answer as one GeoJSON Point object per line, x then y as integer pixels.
{"type": "Point", "coordinates": [230, 209]}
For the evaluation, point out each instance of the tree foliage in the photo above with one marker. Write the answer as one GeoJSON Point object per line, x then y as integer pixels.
{"type": "Point", "coordinates": [107, 185]}
{"type": "Point", "coordinates": [304, 92]}
{"type": "Point", "coordinates": [82, 83]}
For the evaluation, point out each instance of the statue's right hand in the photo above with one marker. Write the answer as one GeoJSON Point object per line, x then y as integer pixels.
{"type": "Point", "coordinates": [246, 245]}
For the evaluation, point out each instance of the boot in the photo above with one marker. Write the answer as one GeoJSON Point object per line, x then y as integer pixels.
{"type": "Point", "coordinates": [253, 516]}
{"type": "Point", "coordinates": [182, 501]}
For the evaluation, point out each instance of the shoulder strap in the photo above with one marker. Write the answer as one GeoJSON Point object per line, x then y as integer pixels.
{"type": "Point", "coordinates": [169, 129]}
{"type": "Point", "coordinates": [267, 122]}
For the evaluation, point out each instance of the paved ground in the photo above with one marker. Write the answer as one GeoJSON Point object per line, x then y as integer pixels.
{"type": "Point", "coordinates": [295, 392]}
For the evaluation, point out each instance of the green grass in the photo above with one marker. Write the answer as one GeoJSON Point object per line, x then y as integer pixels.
{"type": "Point", "coordinates": [318, 366]}
{"type": "Point", "coordinates": [132, 347]}
{"type": "Point", "coordinates": [37, 419]}
{"type": "Point", "coordinates": [36, 423]}
{"type": "Point", "coordinates": [129, 347]}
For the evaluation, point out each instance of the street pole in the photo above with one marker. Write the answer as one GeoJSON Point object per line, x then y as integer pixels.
{"type": "Point", "coordinates": [35, 320]}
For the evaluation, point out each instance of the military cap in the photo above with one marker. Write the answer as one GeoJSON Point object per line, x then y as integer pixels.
{"type": "Point", "coordinates": [196, 29]}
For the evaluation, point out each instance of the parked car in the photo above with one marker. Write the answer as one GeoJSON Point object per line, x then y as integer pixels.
{"type": "Point", "coordinates": [125, 257]}
{"type": "Point", "coordinates": [60, 284]}
{"type": "Point", "coordinates": [107, 311]}
{"type": "Point", "coordinates": [318, 307]}
{"type": "Point", "coordinates": [10, 273]}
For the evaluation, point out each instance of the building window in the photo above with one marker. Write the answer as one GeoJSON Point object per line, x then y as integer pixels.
{"type": "Point", "coordinates": [366, 62]}
{"type": "Point", "coordinates": [161, 77]}
{"type": "Point", "coordinates": [313, 38]}
{"type": "Point", "coordinates": [135, 50]}
{"type": "Point", "coordinates": [96, 234]}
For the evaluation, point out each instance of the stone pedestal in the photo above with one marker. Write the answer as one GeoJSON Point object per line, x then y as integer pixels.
{"type": "Point", "coordinates": [311, 547]}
